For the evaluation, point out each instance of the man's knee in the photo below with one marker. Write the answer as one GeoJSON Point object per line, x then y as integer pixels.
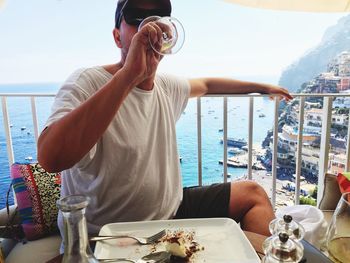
{"type": "Point", "coordinates": [256, 187]}
{"type": "Point", "coordinates": [253, 192]}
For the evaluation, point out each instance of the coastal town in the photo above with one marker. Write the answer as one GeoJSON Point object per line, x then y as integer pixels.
{"type": "Point", "coordinates": [335, 80]}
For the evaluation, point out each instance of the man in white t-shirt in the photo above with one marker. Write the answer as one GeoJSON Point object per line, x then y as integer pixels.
{"type": "Point", "coordinates": [112, 134]}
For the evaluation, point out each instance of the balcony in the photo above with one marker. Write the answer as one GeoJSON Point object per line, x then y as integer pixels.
{"type": "Point", "coordinates": [270, 182]}
{"type": "Point", "coordinates": [300, 159]}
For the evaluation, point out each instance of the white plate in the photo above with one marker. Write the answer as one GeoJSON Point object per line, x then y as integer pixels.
{"type": "Point", "coordinates": [222, 239]}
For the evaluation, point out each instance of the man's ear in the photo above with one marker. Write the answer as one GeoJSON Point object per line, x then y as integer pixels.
{"type": "Point", "coordinates": [116, 35]}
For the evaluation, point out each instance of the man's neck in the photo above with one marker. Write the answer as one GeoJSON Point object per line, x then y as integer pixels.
{"type": "Point", "coordinates": [147, 84]}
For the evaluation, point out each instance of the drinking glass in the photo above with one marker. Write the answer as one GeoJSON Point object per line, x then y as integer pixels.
{"type": "Point", "coordinates": [338, 233]}
{"type": "Point", "coordinates": [173, 34]}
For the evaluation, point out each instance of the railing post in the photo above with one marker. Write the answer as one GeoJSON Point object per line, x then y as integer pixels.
{"type": "Point", "coordinates": [274, 153]}
{"type": "Point", "coordinates": [225, 139]}
{"type": "Point", "coordinates": [250, 137]}
{"type": "Point", "coordinates": [299, 150]}
{"type": "Point", "coordinates": [35, 119]}
{"type": "Point", "coordinates": [9, 146]}
{"type": "Point", "coordinates": [324, 147]}
{"type": "Point", "coordinates": [199, 140]}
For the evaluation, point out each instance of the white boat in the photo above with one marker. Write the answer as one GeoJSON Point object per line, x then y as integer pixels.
{"type": "Point", "coordinates": [29, 158]}
{"type": "Point", "coordinates": [228, 175]}
{"type": "Point", "coordinates": [23, 128]}
{"type": "Point", "coordinates": [237, 143]}
{"type": "Point", "coordinates": [235, 150]}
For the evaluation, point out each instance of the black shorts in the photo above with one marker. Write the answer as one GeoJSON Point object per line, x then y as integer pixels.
{"type": "Point", "coordinates": [205, 201]}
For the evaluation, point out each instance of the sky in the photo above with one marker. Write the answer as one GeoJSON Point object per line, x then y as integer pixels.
{"type": "Point", "coordinates": [46, 40]}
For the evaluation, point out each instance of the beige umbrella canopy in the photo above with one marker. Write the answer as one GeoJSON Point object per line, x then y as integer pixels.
{"type": "Point", "coordinates": [298, 5]}
{"type": "Point", "coordinates": [2, 2]}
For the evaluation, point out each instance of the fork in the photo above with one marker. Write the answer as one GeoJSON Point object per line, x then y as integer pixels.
{"type": "Point", "coordinates": [157, 257]}
{"type": "Point", "coordinates": [141, 240]}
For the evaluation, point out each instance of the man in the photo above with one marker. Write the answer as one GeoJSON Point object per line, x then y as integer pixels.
{"type": "Point", "coordinates": [112, 133]}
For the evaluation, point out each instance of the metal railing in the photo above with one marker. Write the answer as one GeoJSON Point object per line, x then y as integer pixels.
{"type": "Point", "coordinates": [325, 134]}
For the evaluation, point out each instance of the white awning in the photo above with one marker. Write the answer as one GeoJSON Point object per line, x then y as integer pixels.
{"type": "Point", "coordinates": [297, 5]}
{"type": "Point", "coordinates": [2, 2]}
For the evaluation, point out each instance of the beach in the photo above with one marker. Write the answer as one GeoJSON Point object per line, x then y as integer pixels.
{"type": "Point", "coordinates": [284, 197]}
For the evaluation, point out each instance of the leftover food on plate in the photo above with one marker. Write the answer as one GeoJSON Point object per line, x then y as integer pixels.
{"type": "Point", "coordinates": [181, 244]}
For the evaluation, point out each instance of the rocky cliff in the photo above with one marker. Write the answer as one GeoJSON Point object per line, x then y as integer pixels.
{"type": "Point", "coordinates": [335, 40]}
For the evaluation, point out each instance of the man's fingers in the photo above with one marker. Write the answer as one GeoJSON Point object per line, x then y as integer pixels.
{"type": "Point", "coordinates": [287, 96]}
{"type": "Point", "coordinates": [154, 34]}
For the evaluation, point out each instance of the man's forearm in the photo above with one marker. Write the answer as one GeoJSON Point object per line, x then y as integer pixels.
{"type": "Point", "coordinates": [228, 86]}
{"type": "Point", "coordinates": [67, 140]}
{"type": "Point", "coordinates": [204, 86]}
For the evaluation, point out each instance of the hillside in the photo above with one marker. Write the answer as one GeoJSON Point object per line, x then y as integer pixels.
{"type": "Point", "coordinates": [335, 40]}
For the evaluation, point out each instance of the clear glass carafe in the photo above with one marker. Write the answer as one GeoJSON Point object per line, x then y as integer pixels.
{"type": "Point", "coordinates": [76, 245]}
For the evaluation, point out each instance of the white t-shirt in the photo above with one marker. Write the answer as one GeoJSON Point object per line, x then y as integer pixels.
{"type": "Point", "coordinates": [133, 171]}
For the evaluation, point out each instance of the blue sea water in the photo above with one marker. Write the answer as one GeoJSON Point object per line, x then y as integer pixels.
{"type": "Point", "coordinates": [212, 120]}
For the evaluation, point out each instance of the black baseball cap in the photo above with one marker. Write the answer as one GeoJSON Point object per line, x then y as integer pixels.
{"type": "Point", "coordinates": [133, 15]}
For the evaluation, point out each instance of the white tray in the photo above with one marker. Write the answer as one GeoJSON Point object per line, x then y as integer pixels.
{"type": "Point", "coordinates": [222, 239]}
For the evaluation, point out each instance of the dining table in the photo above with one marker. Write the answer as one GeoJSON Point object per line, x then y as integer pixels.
{"type": "Point", "coordinates": [311, 254]}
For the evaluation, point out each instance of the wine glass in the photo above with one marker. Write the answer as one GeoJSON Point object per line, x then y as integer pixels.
{"type": "Point", "coordinates": [338, 233]}
{"type": "Point", "coordinates": [173, 34]}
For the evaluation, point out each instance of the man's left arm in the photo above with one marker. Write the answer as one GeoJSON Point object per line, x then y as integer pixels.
{"type": "Point", "coordinates": [202, 86]}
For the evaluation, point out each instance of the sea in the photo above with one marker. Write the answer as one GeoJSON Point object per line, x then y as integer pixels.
{"type": "Point", "coordinates": [24, 144]}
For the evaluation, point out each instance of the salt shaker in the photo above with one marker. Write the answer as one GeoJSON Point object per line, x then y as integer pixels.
{"type": "Point", "coordinates": [281, 248]}
{"type": "Point", "coordinates": [287, 225]}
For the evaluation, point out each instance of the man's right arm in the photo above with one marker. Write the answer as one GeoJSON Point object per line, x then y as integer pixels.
{"type": "Point", "coordinates": [66, 141]}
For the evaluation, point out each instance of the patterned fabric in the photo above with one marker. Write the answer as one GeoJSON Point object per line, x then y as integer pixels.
{"type": "Point", "coordinates": [344, 182]}
{"type": "Point", "coordinates": [36, 193]}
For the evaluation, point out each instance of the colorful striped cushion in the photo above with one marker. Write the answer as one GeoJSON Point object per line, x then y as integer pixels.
{"type": "Point", "coordinates": [36, 193]}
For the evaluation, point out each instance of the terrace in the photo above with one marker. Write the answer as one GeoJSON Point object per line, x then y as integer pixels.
{"type": "Point", "coordinates": [299, 133]}
{"type": "Point", "coordinates": [295, 149]}
{"type": "Point", "coordinates": [271, 183]}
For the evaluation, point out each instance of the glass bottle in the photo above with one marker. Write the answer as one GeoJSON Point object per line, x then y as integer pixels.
{"type": "Point", "coordinates": [338, 233]}
{"type": "Point", "coordinates": [76, 245]}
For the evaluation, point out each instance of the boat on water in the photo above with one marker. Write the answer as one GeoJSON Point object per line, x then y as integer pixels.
{"type": "Point", "coordinates": [239, 143]}
{"type": "Point", "coordinates": [228, 175]}
{"type": "Point", "coordinates": [221, 130]}
{"type": "Point", "coordinates": [29, 158]}
{"type": "Point", "coordinates": [262, 115]}
{"type": "Point", "coordinates": [23, 128]}
{"type": "Point", "coordinates": [235, 150]}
